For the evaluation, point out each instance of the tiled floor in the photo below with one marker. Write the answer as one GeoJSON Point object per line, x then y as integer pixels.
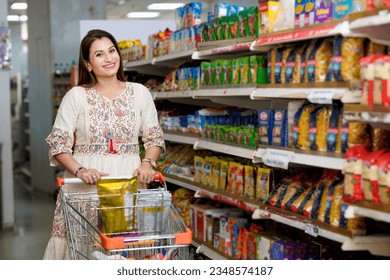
{"type": "Point", "coordinates": [33, 220]}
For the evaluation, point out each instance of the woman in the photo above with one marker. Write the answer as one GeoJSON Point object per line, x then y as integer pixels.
{"type": "Point", "coordinates": [97, 128]}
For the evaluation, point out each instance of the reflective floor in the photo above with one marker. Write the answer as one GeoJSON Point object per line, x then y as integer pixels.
{"type": "Point", "coordinates": [33, 220]}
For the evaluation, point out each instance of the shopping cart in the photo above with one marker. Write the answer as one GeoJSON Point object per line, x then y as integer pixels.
{"type": "Point", "coordinates": [149, 225]}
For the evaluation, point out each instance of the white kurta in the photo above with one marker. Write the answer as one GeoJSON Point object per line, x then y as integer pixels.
{"type": "Point", "coordinates": [84, 120]}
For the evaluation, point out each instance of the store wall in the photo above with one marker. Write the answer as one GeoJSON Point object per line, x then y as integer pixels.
{"type": "Point", "coordinates": [53, 36]}
{"type": "Point", "coordinates": [7, 183]}
{"type": "Point", "coordinates": [65, 27]}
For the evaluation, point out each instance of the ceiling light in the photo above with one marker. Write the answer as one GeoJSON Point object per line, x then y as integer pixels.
{"type": "Point", "coordinates": [18, 6]}
{"type": "Point", "coordinates": [143, 15]}
{"type": "Point", "coordinates": [165, 6]}
{"type": "Point", "coordinates": [23, 18]}
{"type": "Point", "coordinates": [13, 18]}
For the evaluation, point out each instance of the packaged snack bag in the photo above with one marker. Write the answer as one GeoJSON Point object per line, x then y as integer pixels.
{"type": "Point", "coordinates": [263, 183]}
{"type": "Point", "coordinates": [250, 182]}
{"type": "Point", "coordinates": [384, 178]}
{"type": "Point", "coordinates": [353, 169]}
{"type": "Point", "coordinates": [370, 175]}
{"type": "Point", "coordinates": [117, 201]}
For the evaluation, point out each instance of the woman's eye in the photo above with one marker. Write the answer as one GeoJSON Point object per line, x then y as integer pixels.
{"type": "Point", "coordinates": [112, 51]}
{"type": "Point", "coordinates": [98, 55]}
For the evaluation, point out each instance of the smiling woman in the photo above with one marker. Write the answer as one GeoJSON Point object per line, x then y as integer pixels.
{"type": "Point", "coordinates": [96, 130]}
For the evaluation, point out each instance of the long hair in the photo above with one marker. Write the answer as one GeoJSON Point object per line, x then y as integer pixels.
{"type": "Point", "coordinates": [86, 78]}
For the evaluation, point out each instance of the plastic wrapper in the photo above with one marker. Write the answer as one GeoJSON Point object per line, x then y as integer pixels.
{"type": "Point", "coordinates": [249, 183]}
{"type": "Point", "coordinates": [117, 201]}
{"type": "Point", "coordinates": [301, 137]}
{"type": "Point", "coordinates": [263, 183]}
{"type": "Point", "coordinates": [153, 208]}
{"type": "Point", "coordinates": [358, 134]}
{"type": "Point", "coordinates": [318, 60]}
{"type": "Point", "coordinates": [384, 178]}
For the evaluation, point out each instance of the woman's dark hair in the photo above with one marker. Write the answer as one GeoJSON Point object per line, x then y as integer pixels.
{"type": "Point", "coordinates": [87, 78]}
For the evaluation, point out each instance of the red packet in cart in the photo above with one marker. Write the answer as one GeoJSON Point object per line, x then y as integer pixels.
{"type": "Point", "coordinates": [117, 202]}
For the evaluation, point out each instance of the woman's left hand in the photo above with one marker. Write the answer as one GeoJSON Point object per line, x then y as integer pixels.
{"type": "Point", "coordinates": [145, 173]}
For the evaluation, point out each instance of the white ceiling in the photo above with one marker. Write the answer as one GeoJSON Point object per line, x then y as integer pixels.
{"type": "Point", "coordinates": [117, 9]}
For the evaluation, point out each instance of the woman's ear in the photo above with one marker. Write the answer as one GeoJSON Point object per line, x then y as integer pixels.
{"type": "Point", "coordinates": [89, 68]}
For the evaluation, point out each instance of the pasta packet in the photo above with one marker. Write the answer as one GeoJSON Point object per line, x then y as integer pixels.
{"type": "Point", "coordinates": [117, 202]}
{"type": "Point", "coordinates": [301, 137]}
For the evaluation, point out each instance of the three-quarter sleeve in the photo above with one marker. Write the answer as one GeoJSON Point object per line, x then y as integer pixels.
{"type": "Point", "coordinates": [61, 138]}
{"type": "Point", "coordinates": [152, 134]}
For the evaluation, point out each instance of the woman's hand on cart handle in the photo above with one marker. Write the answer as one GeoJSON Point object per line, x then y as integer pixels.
{"type": "Point", "coordinates": [90, 175]}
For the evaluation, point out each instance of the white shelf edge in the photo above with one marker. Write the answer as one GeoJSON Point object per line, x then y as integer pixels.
{"type": "Point", "coordinates": [304, 159]}
{"type": "Point", "coordinates": [371, 117]}
{"type": "Point", "coordinates": [371, 21]}
{"type": "Point", "coordinates": [228, 92]}
{"type": "Point", "coordinates": [180, 138]}
{"type": "Point", "coordinates": [357, 211]}
{"type": "Point", "coordinates": [300, 225]}
{"type": "Point", "coordinates": [173, 56]}
{"type": "Point", "coordinates": [208, 252]}
{"type": "Point", "coordinates": [223, 148]}
{"type": "Point", "coordinates": [174, 94]}
{"type": "Point", "coordinates": [132, 64]}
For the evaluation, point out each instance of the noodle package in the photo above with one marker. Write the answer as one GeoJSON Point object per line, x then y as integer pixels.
{"type": "Point", "coordinates": [117, 201]}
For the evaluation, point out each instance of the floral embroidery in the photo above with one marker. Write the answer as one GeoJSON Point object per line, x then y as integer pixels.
{"type": "Point", "coordinates": [128, 149]}
{"type": "Point", "coordinates": [59, 141]}
{"type": "Point", "coordinates": [153, 136]}
{"type": "Point", "coordinates": [116, 116]}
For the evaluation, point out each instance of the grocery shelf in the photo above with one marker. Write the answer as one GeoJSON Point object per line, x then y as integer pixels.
{"type": "Point", "coordinates": [230, 199]}
{"type": "Point", "coordinates": [376, 211]}
{"type": "Point", "coordinates": [222, 48]}
{"type": "Point", "coordinates": [306, 224]}
{"type": "Point", "coordinates": [375, 114]}
{"type": "Point", "coordinates": [268, 41]}
{"type": "Point", "coordinates": [374, 24]}
{"type": "Point", "coordinates": [174, 59]}
{"type": "Point", "coordinates": [208, 251]}
{"type": "Point", "coordinates": [224, 148]}
{"type": "Point", "coordinates": [174, 94]}
{"type": "Point", "coordinates": [376, 244]}
{"type": "Point", "coordinates": [316, 92]}
{"type": "Point", "coordinates": [211, 92]}
{"type": "Point", "coordinates": [310, 158]}
{"type": "Point", "coordinates": [180, 137]}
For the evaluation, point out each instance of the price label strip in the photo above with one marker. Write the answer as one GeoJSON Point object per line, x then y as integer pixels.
{"type": "Point", "coordinates": [277, 158]}
{"type": "Point", "coordinates": [321, 96]}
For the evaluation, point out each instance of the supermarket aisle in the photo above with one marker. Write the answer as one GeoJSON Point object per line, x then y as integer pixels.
{"type": "Point", "coordinates": [33, 220]}
{"type": "Point", "coordinates": [33, 214]}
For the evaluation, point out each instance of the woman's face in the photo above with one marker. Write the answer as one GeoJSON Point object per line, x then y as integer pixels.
{"type": "Point", "coordinates": [103, 58]}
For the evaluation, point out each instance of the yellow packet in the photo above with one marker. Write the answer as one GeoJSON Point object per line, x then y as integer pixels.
{"type": "Point", "coordinates": [117, 201]}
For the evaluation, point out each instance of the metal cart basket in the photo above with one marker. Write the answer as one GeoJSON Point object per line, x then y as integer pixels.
{"type": "Point", "coordinates": [145, 226]}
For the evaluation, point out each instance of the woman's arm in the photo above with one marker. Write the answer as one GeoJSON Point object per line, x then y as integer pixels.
{"type": "Point", "coordinates": [88, 175]}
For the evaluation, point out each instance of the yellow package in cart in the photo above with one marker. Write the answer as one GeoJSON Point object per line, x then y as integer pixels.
{"type": "Point", "coordinates": [117, 201]}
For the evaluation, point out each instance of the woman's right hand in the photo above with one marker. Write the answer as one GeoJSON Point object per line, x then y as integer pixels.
{"type": "Point", "coordinates": [90, 176]}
